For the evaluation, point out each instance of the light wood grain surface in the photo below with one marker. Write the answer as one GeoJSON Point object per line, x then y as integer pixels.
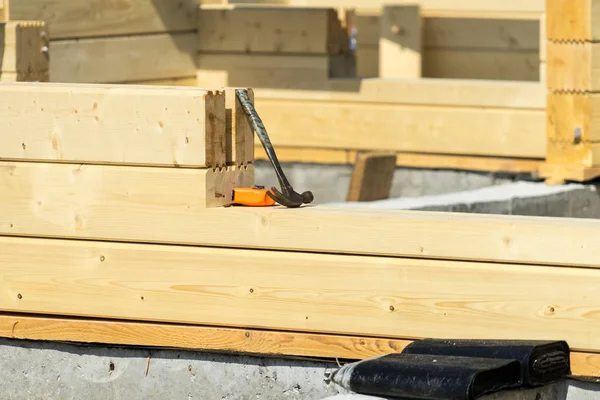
{"type": "Point", "coordinates": [355, 295]}
{"type": "Point", "coordinates": [236, 340]}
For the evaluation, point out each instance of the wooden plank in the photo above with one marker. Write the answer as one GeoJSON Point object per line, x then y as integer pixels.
{"type": "Point", "coordinates": [112, 124]}
{"type": "Point", "coordinates": [283, 30]}
{"type": "Point", "coordinates": [517, 7]}
{"type": "Point", "coordinates": [420, 92]}
{"type": "Point", "coordinates": [271, 71]}
{"type": "Point", "coordinates": [238, 132]}
{"type": "Point", "coordinates": [263, 70]}
{"type": "Point", "coordinates": [201, 338]}
{"type": "Point", "coordinates": [123, 59]}
{"type": "Point", "coordinates": [388, 127]}
{"type": "Point", "coordinates": [24, 52]}
{"type": "Point", "coordinates": [70, 19]}
{"type": "Point", "coordinates": [370, 296]}
{"type": "Point", "coordinates": [99, 186]}
{"type": "Point", "coordinates": [372, 177]}
{"type": "Point", "coordinates": [400, 42]}
{"type": "Point", "coordinates": [410, 160]}
{"type": "Point", "coordinates": [481, 64]}
{"type": "Point", "coordinates": [501, 34]}
{"type": "Point", "coordinates": [573, 20]}
{"type": "Point", "coordinates": [573, 66]}
{"type": "Point", "coordinates": [527, 240]}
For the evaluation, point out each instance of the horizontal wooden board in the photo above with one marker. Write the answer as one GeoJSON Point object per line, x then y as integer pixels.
{"type": "Point", "coordinates": [256, 29]}
{"type": "Point", "coordinates": [411, 160]}
{"type": "Point", "coordinates": [573, 66]}
{"type": "Point", "coordinates": [428, 129]}
{"type": "Point", "coordinates": [114, 124]}
{"type": "Point", "coordinates": [516, 7]}
{"type": "Point", "coordinates": [457, 33]}
{"type": "Point", "coordinates": [370, 296]}
{"type": "Point", "coordinates": [38, 186]}
{"type": "Point", "coordinates": [570, 20]}
{"type": "Point", "coordinates": [483, 94]}
{"type": "Point", "coordinates": [506, 34]}
{"type": "Point", "coordinates": [235, 340]}
{"type": "Point", "coordinates": [77, 19]}
{"type": "Point", "coordinates": [528, 240]}
{"type": "Point", "coordinates": [263, 70]}
{"type": "Point", "coordinates": [123, 59]}
{"type": "Point", "coordinates": [481, 64]}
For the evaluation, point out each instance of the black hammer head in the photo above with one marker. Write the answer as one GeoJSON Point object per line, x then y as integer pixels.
{"type": "Point", "coordinates": [291, 199]}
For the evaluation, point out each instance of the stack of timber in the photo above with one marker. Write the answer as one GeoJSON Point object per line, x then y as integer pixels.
{"type": "Point", "coordinates": [116, 42]}
{"type": "Point", "coordinates": [104, 240]}
{"type": "Point", "coordinates": [573, 83]}
{"type": "Point", "coordinates": [272, 47]}
{"type": "Point", "coordinates": [452, 38]}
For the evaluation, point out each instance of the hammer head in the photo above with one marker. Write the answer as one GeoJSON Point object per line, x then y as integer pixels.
{"type": "Point", "coordinates": [290, 199]}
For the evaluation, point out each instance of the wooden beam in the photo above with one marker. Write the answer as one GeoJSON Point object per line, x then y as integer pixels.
{"type": "Point", "coordinates": [259, 29]}
{"type": "Point", "coordinates": [49, 205]}
{"type": "Point", "coordinates": [271, 70]}
{"type": "Point", "coordinates": [372, 177]}
{"type": "Point", "coordinates": [451, 93]}
{"type": "Point", "coordinates": [370, 296]}
{"type": "Point", "coordinates": [409, 160]}
{"type": "Point", "coordinates": [6, 10]}
{"type": "Point", "coordinates": [70, 19]}
{"type": "Point", "coordinates": [123, 59]}
{"type": "Point", "coordinates": [114, 124]}
{"type": "Point", "coordinates": [235, 340]}
{"type": "Point", "coordinates": [390, 127]}
{"type": "Point", "coordinates": [535, 7]}
{"type": "Point", "coordinates": [238, 132]}
{"type": "Point", "coordinates": [25, 53]}
{"type": "Point", "coordinates": [400, 42]}
{"type": "Point", "coordinates": [103, 186]}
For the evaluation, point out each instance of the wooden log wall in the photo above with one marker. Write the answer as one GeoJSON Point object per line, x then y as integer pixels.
{"type": "Point", "coordinates": [271, 47]}
{"type": "Point", "coordinates": [125, 240]}
{"type": "Point", "coordinates": [505, 47]}
{"type": "Point", "coordinates": [573, 85]}
{"type": "Point", "coordinates": [116, 42]}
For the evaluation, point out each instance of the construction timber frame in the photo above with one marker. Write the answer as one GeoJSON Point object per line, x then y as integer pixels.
{"type": "Point", "coordinates": [118, 234]}
{"type": "Point", "coordinates": [518, 102]}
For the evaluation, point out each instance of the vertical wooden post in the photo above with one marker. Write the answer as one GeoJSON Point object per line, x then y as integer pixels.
{"type": "Point", "coordinates": [6, 10]}
{"type": "Point", "coordinates": [573, 82]}
{"type": "Point", "coordinates": [400, 42]}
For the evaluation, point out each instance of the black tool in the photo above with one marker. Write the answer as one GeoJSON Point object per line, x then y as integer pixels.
{"type": "Point", "coordinates": [287, 197]}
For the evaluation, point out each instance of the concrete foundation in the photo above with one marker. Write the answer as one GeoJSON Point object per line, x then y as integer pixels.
{"type": "Point", "coordinates": [60, 371]}
{"type": "Point", "coordinates": [330, 183]}
{"type": "Point", "coordinates": [519, 198]}
{"type": "Point", "coordinates": [57, 371]}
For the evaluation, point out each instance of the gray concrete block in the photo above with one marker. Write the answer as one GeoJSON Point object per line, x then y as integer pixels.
{"type": "Point", "coordinates": [57, 371]}
{"type": "Point", "coordinates": [330, 183]}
